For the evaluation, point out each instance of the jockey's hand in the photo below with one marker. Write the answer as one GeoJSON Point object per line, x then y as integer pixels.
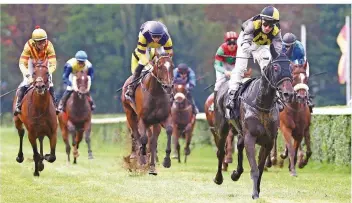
{"type": "Point", "coordinates": [30, 78]}
{"type": "Point", "coordinates": [227, 74]}
{"type": "Point", "coordinates": [189, 87]}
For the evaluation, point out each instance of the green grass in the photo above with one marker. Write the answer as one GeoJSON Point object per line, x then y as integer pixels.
{"type": "Point", "coordinates": [105, 180]}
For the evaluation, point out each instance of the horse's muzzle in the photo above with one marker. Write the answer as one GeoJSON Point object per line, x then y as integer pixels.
{"type": "Point", "coordinates": [40, 88]}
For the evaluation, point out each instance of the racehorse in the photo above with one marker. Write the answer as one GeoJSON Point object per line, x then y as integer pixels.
{"type": "Point", "coordinates": [295, 121]}
{"type": "Point", "coordinates": [76, 119]}
{"type": "Point", "coordinates": [151, 108]}
{"type": "Point", "coordinates": [258, 118]}
{"type": "Point", "coordinates": [210, 115]}
{"type": "Point", "coordinates": [183, 119]}
{"type": "Point", "coordinates": [39, 117]}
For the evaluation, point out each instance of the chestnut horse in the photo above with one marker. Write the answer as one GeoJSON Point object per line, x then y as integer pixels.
{"type": "Point", "coordinates": [183, 119]}
{"type": "Point", "coordinates": [151, 108]}
{"type": "Point", "coordinates": [258, 119]}
{"type": "Point", "coordinates": [295, 121]}
{"type": "Point", "coordinates": [39, 117]}
{"type": "Point", "coordinates": [76, 119]}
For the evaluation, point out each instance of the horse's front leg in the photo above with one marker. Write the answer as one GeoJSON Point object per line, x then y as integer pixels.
{"type": "Point", "coordinates": [308, 152]}
{"type": "Point", "coordinates": [153, 147]}
{"type": "Point", "coordinates": [87, 138]}
{"type": "Point", "coordinates": [249, 143]}
{"type": "Point", "coordinates": [272, 159]}
{"type": "Point", "coordinates": [36, 155]}
{"type": "Point", "coordinates": [168, 127]}
{"type": "Point", "coordinates": [40, 164]}
{"type": "Point", "coordinates": [52, 157]}
{"type": "Point", "coordinates": [263, 154]}
{"type": "Point", "coordinates": [223, 132]}
{"type": "Point", "coordinates": [79, 136]}
{"type": "Point", "coordinates": [142, 142]}
{"type": "Point", "coordinates": [175, 136]}
{"type": "Point", "coordinates": [20, 130]}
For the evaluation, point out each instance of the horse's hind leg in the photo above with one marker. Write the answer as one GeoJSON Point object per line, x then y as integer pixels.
{"type": "Point", "coordinates": [272, 158]}
{"type": "Point", "coordinates": [236, 174]}
{"type": "Point", "coordinates": [20, 130]}
{"type": "Point", "coordinates": [65, 137]}
{"type": "Point", "coordinates": [36, 155]}
{"type": "Point", "coordinates": [223, 132]}
{"type": "Point", "coordinates": [87, 137]}
{"type": "Point", "coordinates": [40, 164]}
{"type": "Point", "coordinates": [52, 157]}
{"type": "Point", "coordinates": [176, 134]}
{"type": "Point", "coordinates": [229, 147]}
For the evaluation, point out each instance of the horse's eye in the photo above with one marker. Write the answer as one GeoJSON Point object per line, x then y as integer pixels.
{"type": "Point", "coordinates": [276, 67]}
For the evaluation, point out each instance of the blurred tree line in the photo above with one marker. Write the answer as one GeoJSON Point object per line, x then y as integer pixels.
{"type": "Point", "coordinates": [108, 33]}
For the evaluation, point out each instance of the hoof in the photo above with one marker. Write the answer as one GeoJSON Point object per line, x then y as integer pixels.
{"type": "Point", "coordinates": [167, 162]}
{"type": "Point", "coordinates": [218, 182]}
{"type": "Point", "coordinates": [133, 155]}
{"type": "Point", "coordinates": [235, 176]}
{"type": "Point", "coordinates": [274, 161]}
{"type": "Point", "coordinates": [19, 159]}
{"type": "Point", "coordinates": [293, 174]}
{"type": "Point", "coordinates": [36, 173]}
{"type": "Point", "coordinates": [74, 161]}
{"type": "Point", "coordinates": [283, 156]}
{"type": "Point", "coordinates": [50, 158]}
{"type": "Point", "coordinates": [40, 166]}
{"type": "Point", "coordinates": [175, 156]}
{"type": "Point", "coordinates": [256, 196]}
{"type": "Point", "coordinates": [90, 156]}
{"type": "Point", "coordinates": [152, 171]}
{"type": "Point", "coordinates": [224, 166]}
{"type": "Point", "coordinates": [301, 165]}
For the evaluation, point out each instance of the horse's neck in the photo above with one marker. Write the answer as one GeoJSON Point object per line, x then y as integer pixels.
{"type": "Point", "coordinates": [152, 85]}
{"type": "Point", "coordinates": [266, 94]}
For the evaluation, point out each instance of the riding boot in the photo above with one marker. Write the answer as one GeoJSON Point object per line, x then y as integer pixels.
{"type": "Point", "coordinates": [20, 95]}
{"type": "Point", "coordinates": [194, 107]}
{"type": "Point", "coordinates": [280, 105]}
{"type": "Point", "coordinates": [63, 100]}
{"type": "Point", "coordinates": [231, 100]}
{"type": "Point", "coordinates": [52, 93]}
{"type": "Point", "coordinates": [91, 102]}
{"type": "Point", "coordinates": [132, 86]}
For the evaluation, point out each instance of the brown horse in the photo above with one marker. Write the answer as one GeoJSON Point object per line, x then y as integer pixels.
{"type": "Point", "coordinates": [76, 119]}
{"type": "Point", "coordinates": [209, 113]}
{"type": "Point", "coordinates": [295, 121]}
{"type": "Point", "coordinates": [151, 108]}
{"type": "Point", "coordinates": [39, 117]}
{"type": "Point", "coordinates": [183, 119]}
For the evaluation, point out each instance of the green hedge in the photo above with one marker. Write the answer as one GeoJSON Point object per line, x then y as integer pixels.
{"type": "Point", "coordinates": [330, 137]}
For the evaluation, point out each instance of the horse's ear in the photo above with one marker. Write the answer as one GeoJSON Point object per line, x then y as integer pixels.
{"type": "Point", "coordinates": [273, 52]}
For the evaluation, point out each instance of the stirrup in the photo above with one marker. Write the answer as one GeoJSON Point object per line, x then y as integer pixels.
{"type": "Point", "coordinates": [17, 111]}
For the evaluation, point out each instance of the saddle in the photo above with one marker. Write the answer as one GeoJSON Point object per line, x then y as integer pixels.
{"type": "Point", "coordinates": [235, 113]}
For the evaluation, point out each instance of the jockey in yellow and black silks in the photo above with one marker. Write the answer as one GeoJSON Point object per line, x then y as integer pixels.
{"type": "Point", "coordinates": [36, 48]}
{"type": "Point", "coordinates": [153, 37]}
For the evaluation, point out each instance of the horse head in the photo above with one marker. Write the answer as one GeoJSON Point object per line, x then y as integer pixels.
{"type": "Point", "coordinates": [163, 71]}
{"type": "Point", "coordinates": [82, 81]}
{"type": "Point", "coordinates": [300, 81]}
{"type": "Point", "coordinates": [278, 74]}
{"type": "Point", "coordinates": [180, 93]}
{"type": "Point", "coordinates": [41, 76]}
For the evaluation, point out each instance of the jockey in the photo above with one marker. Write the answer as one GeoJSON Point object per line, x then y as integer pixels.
{"type": "Point", "coordinates": [257, 34]}
{"type": "Point", "coordinates": [37, 48]}
{"type": "Point", "coordinates": [224, 63]}
{"type": "Point", "coordinates": [185, 75]}
{"type": "Point", "coordinates": [153, 34]}
{"type": "Point", "coordinates": [295, 51]}
{"type": "Point", "coordinates": [72, 66]}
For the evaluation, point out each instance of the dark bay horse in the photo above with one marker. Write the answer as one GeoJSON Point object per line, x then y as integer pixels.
{"type": "Point", "coordinates": [39, 117]}
{"type": "Point", "coordinates": [76, 119]}
{"type": "Point", "coordinates": [258, 119]}
{"type": "Point", "coordinates": [183, 119]}
{"type": "Point", "coordinates": [210, 115]}
{"type": "Point", "coordinates": [151, 109]}
{"type": "Point", "coordinates": [295, 121]}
